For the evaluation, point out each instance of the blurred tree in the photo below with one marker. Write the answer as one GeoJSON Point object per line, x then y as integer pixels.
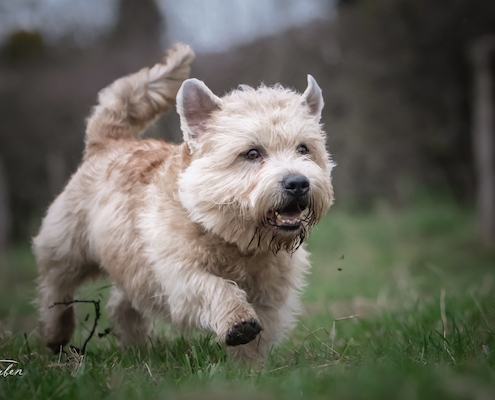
{"type": "Point", "coordinates": [4, 210]}
{"type": "Point", "coordinates": [23, 47]}
{"type": "Point", "coordinates": [137, 30]}
{"type": "Point", "coordinates": [483, 134]}
{"type": "Point", "coordinates": [139, 21]}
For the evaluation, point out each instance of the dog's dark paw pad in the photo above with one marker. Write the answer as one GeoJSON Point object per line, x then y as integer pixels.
{"type": "Point", "coordinates": [243, 332]}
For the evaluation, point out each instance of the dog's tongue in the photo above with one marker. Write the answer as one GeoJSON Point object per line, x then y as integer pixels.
{"type": "Point", "coordinates": [290, 215]}
{"type": "Point", "coordinates": [288, 218]}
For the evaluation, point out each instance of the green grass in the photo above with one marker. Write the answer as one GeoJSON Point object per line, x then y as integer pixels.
{"type": "Point", "coordinates": [400, 305]}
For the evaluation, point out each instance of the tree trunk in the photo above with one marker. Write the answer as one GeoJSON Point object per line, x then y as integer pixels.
{"type": "Point", "coordinates": [483, 135]}
{"type": "Point", "coordinates": [4, 210]}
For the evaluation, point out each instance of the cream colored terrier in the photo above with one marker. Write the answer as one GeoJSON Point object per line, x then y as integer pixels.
{"type": "Point", "coordinates": [207, 234]}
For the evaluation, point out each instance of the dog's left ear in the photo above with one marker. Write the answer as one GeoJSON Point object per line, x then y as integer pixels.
{"type": "Point", "coordinates": [313, 98]}
{"type": "Point", "coordinates": [195, 104]}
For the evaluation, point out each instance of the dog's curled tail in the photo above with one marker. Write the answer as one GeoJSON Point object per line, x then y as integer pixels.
{"type": "Point", "coordinates": [127, 107]}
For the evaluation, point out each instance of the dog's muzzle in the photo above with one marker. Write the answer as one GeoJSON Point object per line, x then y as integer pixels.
{"type": "Point", "coordinates": [294, 211]}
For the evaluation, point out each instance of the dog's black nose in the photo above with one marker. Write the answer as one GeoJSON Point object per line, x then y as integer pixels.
{"type": "Point", "coordinates": [296, 185]}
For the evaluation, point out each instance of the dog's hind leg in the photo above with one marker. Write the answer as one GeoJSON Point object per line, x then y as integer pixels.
{"type": "Point", "coordinates": [63, 266]}
{"type": "Point", "coordinates": [57, 285]}
{"type": "Point", "coordinates": [132, 326]}
{"type": "Point", "coordinates": [57, 321]}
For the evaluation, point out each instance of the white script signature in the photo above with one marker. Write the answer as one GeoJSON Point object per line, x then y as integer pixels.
{"type": "Point", "coordinates": [9, 368]}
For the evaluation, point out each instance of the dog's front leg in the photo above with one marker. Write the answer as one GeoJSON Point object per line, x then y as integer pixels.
{"type": "Point", "coordinates": [200, 299]}
{"type": "Point", "coordinates": [275, 321]}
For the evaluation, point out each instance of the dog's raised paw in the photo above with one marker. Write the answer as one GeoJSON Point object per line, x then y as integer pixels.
{"type": "Point", "coordinates": [243, 332]}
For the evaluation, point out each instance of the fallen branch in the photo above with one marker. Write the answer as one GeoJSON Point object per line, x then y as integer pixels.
{"type": "Point", "coordinates": [96, 303]}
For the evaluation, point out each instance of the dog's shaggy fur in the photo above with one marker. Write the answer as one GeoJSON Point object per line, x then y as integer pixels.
{"type": "Point", "coordinates": [207, 234]}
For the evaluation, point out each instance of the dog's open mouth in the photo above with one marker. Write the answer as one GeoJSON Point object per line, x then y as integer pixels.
{"type": "Point", "coordinates": [288, 219]}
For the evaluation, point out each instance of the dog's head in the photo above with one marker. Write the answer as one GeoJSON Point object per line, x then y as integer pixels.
{"type": "Point", "coordinates": [260, 173]}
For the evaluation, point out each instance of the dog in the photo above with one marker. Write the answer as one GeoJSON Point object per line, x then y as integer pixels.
{"type": "Point", "coordinates": [206, 234]}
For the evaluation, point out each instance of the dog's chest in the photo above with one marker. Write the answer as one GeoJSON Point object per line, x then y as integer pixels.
{"type": "Point", "coordinates": [260, 277]}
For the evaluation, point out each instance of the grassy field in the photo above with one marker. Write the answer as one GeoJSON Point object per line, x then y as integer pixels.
{"type": "Point", "coordinates": [400, 305]}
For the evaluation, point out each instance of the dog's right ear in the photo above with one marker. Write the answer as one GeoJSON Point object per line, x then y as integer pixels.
{"type": "Point", "coordinates": [195, 104]}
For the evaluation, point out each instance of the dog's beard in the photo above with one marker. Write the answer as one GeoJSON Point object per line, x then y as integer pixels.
{"type": "Point", "coordinates": [268, 235]}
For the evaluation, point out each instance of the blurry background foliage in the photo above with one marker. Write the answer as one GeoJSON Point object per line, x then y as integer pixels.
{"type": "Point", "coordinates": [397, 79]}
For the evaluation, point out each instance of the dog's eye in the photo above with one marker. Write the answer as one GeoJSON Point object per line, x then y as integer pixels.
{"type": "Point", "coordinates": [253, 154]}
{"type": "Point", "coordinates": [302, 149]}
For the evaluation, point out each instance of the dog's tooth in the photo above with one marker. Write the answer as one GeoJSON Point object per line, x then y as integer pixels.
{"type": "Point", "coordinates": [290, 221]}
{"type": "Point", "coordinates": [279, 217]}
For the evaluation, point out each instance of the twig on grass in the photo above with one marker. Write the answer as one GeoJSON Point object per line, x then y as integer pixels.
{"type": "Point", "coordinates": [149, 370]}
{"type": "Point", "coordinates": [313, 333]}
{"type": "Point", "coordinates": [27, 343]}
{"type": "Point", "coordinates": [59, 355]}
{"type": "Point", "coordinates": [96, 303]}
{"type": "Point", "coordinates": [443, 316]}
{"type": "Point", "coordinates": [351, 341]}
{"type": "Point", "coordinates": [106, 332]}
{"type": "Point", "coordinates": [278, 369]}
{"type": "Point", "coordinates": [333, 332]}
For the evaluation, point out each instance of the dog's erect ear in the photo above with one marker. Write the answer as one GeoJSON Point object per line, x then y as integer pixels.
{"type": "Point", "coordinates": [195, 103]}
{"type": "Point", "coordinates": [313, 98]}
